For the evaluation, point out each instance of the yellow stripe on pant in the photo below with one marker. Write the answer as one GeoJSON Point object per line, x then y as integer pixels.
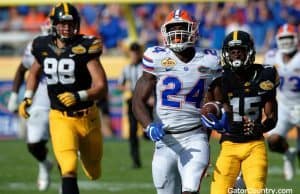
{"type": "Point", "coordinates": [249, 157]}
{"type": "Point", "coordinates": [72, 134]}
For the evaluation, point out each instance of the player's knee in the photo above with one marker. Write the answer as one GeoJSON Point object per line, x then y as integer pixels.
{"type": "Point", "coordinates": [68, 163]}
{"type": "Point", "coordinates": [277, 143]}
{"type": "Point", "coordinates": [38, 150]}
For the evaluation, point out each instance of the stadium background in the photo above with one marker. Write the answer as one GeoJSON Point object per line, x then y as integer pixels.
{"type": "Point", "coordinates": [136, 20]}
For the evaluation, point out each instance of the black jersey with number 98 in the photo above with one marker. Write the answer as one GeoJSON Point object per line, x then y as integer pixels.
{"type": "Point", "coordinates": [66, 69]}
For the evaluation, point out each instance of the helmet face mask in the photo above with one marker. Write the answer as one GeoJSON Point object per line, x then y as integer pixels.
{"type": "Point", "coordinates": [66, 29]}
{"type": "Point", "coordinates": [286, 39]}
{"type": "Point", "coordinates": [65, 21]}
{"type": "Point", "coordinates": [180, 31]}
{"type": "Point", "coordinates": [238, 51]}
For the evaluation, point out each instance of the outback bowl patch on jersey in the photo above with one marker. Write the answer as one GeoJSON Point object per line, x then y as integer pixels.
{"type": "Point", "coordinates": [266, 85]}
{"type": "Point", "coordinates": [79, 49]}
{"type": "Point", "coordinates": [168, 62]}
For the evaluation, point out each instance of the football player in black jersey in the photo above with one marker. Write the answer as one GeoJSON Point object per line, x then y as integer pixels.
{"type": "Point", "coordinates": [75, 79]}
{"type": "Point", "coordinates": [248, 91]}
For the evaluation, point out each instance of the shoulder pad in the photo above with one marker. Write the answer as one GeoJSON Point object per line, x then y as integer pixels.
{"type": "Point", "coordinates": [270, 74]}
{"type": "Point", "coordinates": [39, 39]}
{"type": "Point", "coordinates": [212, 58]}
{"type": "Point", "coordinates": [154, 55]}
{"type": "Point", "coordinates": [88, 44]}
{"type": "Point", "coordinates": [156, 51]}
{"type": "Point", "coordinates": [269, 57]}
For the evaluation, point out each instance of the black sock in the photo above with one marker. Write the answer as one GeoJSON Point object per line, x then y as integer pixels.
{"type": "Point", "coordinates": [69, 185]}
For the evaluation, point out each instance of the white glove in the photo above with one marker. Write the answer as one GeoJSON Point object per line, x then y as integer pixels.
{"type": "Point", "coordinates": [295, 114]}
{"type": "Point", "coordinates": [12, 105]}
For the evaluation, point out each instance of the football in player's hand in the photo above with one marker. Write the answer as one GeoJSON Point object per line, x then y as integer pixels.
{"type": "Point", "coordinates": [212, 107]}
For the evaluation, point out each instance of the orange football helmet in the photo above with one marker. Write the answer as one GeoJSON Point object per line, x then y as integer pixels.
{"type": "Point", "coordinates": [287, 38]}
{"type": "Point", "coordinates": [180, 30]}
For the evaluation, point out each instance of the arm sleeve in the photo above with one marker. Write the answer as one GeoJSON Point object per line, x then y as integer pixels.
{"type": "Point", "coordinates": [148, 62]}
{"type": "Point", "coordinates": [95, 48]}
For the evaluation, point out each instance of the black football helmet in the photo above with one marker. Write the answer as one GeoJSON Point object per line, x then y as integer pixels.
{"type": "Point", "coordinates": [238, 51]}
{"type": "Point", "coordinates": [65, 13]}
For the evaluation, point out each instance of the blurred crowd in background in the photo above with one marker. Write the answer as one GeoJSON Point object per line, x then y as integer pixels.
{"type": "Point", "coordinates": [259, 17]}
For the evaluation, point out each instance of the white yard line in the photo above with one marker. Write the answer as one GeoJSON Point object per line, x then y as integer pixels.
{"type": "Point", "coordinates": [83, 185]}
{"type": "Point", "coordinates": [107, 186]}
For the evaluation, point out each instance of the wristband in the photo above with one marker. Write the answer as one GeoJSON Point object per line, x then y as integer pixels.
{"type": "Point", "coordinates": [28, 94]}
{"type": "Point", "coordinates": [83, 95]}
{"type": "Point", "coordinates": [14, 95]}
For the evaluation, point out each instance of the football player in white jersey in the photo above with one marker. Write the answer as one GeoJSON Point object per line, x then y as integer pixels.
{"type": "Point", "coordinates": [179, 73]}
{"type": "Point", "coordinates": [287, 61]}
{"type": "Point", "coordinates": [37, 124]}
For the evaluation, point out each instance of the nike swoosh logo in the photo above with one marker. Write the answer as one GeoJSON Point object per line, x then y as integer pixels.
{"type": "Point", "coordinates": [72, 55]}
{"type": "Point", "coordinates": [260, 93]}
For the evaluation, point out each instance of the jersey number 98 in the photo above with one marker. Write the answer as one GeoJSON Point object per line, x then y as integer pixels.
{"type": "Point", "coordinates": [59, 71]}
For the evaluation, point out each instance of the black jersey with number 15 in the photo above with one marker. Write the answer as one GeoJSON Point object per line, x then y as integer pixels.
{"type": "Point", "coordinates": [66, 69]}
{"type": "Point", "coordinates": [248, 98]}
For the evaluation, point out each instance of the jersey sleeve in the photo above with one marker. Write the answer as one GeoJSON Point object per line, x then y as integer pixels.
{"type": "Point", "coordinates": [95, 48]}
{"type": "Point", "coordinates": [27, 58]}
{"type": "Point", "coordinates": [269, 82]}
{"type": "Point", "coordinates": [269, 57]}
{"type": "Point", "coordinates": [36, 49]}
{"type": "Point", "coordinates": [213, 61]}
{"type": "Point", "coordinates": [148, 61]}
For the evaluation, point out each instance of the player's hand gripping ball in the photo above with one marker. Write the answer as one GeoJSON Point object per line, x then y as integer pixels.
{"type": "Point", "coordinates": [214, 108]}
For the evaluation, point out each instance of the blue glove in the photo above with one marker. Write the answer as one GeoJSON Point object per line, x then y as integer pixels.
{"type": "Point", "coordinates": [222, 125]}
{"type": "Point", "coordinates": [155, 131]}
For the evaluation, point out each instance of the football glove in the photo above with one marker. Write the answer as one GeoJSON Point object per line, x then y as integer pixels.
{"type": "Point", "coordinates": [212, 122]}
{"type": "Point", "coordinates": [249, 127]}
{"type": "Point", "coordinates": [155, 131]}
{"type": "Point", "coordinates": [26, 103]}
{"type": "Point", "coordinates": [12, 105]}
{"type": "Point", "coordinates": [68, 98]}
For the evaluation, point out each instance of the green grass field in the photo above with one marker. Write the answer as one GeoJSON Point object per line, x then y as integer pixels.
{"type": "Point", "coordinates": [18, 171]}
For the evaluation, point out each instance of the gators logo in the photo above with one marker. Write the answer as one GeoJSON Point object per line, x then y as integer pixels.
{"type": "Point", "coordinates": [79, 49]}
{"type": "Point", "coordinates": [168, 62]}
{"type": "Point", "coordinates": [266, 85]}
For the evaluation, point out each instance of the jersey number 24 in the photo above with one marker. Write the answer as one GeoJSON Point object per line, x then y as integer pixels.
{"type": "Point", "coordinates": [194, 96]}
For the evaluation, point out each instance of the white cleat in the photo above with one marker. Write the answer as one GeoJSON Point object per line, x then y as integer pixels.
{"type": "Point", "coordinates": [43, 181]}
{"type": "Point", "coordinates": [289, 164]}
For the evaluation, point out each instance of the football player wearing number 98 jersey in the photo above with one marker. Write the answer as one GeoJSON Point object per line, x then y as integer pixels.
{"type": "Point", "coordinates": [286, 59]}
{"type": "Point", "coordinates": [179, 74]}
{"type": "Point", "coordinates": [75, 79]}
